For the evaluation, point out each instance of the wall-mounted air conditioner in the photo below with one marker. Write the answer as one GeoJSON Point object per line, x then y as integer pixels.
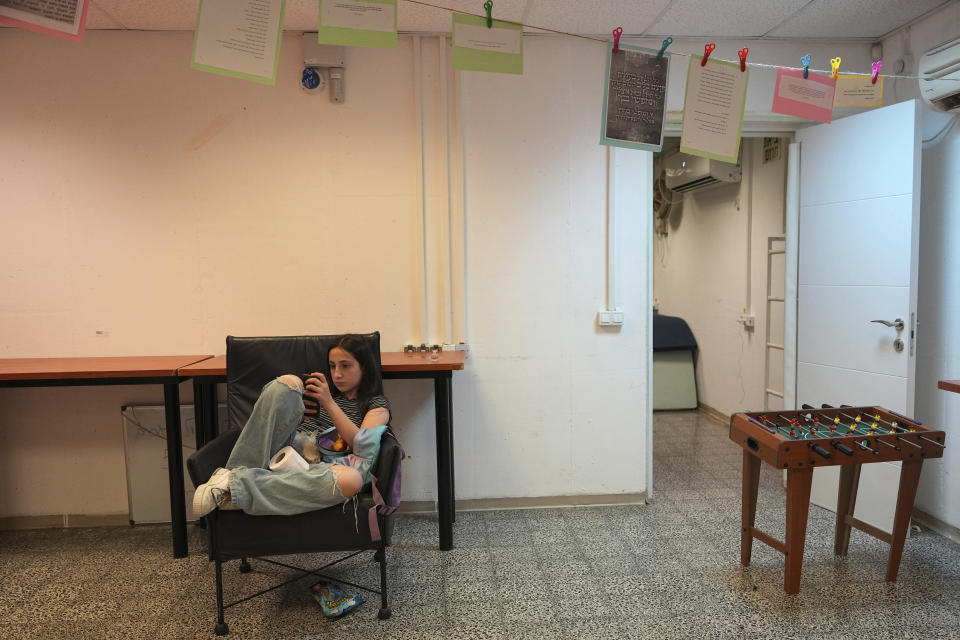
{"type": "Point", "coordinates": [940, 76]}
{"type": "Point", "coordinates": [689, 173]}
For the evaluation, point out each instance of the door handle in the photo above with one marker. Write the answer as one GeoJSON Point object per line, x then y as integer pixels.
{"type": "Point", "coordinates": [898, 323]}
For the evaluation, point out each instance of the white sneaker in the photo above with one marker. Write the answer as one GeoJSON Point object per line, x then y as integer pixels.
{"type": "Point", "coordinates": [212, 494]}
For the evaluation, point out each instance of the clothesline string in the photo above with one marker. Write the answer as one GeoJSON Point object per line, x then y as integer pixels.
{"type": "Point", "coordinates": [606, 41]}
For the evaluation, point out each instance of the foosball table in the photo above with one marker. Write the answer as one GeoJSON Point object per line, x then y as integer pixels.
{"type": "Point", "coordinates": [801, 441]}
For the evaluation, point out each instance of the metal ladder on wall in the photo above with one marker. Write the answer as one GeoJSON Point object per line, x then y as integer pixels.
{"type": "Point", "coordinates": [771, 347]}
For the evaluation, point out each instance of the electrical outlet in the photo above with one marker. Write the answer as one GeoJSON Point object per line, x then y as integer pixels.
{"type": "Point", "coordinates": [610, 317]}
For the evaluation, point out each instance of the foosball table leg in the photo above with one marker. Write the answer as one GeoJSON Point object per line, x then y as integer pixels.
{"type": "Point", "coordinates": [909, 480]}
{"type": "Point", "coordinates": [751, 482]}
{"type": "Point", "coordinates": [798, 505]}
{"type": "Point", "coordinates": [846, 503]}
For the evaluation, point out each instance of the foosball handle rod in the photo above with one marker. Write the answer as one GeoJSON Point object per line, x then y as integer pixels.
{"type": "Point", "coordinates": [820, 450]}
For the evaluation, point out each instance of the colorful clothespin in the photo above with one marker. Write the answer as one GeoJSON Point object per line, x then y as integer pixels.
{"type": "Point", "coordinates": [835, 65]}
{"type": "Point", "coordinates": [663, 49]}
{"type": "Point", "coordinates": [488, 5]}
{"type": "Point", "coordinates": [707, 50]}
{"type": "Point", "coordinates": [876, 70]}
{"type": "Point", "coordinates": [805, 63]}
{"type": "Point", "coordinates": [616, 38]}
{"type": "Point", "coordinates": [743, 58]}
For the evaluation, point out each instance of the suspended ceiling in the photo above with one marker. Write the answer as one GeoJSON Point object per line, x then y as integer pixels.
{"type": "Point", "coordinates": [773, 19]}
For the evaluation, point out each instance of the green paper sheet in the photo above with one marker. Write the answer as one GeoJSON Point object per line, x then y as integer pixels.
{"type": "Point", "coordinates": [476, 48]}
{"type": "Point", "coordinates": [228, 41]}
{"type": "Point", "coordinates": [358, 23]}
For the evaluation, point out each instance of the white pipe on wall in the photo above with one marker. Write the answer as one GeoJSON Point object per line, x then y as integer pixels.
{"type": "Point", "coordinates": [424, 329]}
{"type": "Point", "coordinates": [611, 230]}
{"type": "Point", "coordinates": [791, 269]}
{"type": "Point", "coordinates": [457, 204]}
{"type": "Point", "coordinates": [443, 78]}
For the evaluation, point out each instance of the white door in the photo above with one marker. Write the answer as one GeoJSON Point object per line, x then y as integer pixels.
{"type": "Point", "coordinates": [858, 246]}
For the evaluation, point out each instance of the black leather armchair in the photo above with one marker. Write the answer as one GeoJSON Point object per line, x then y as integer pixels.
{"type": "Point", "coordinates": [251, 363]}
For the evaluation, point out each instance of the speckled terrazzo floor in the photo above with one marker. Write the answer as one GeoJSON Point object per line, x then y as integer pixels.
{"type": "Point", "coordinates": [665, 570]}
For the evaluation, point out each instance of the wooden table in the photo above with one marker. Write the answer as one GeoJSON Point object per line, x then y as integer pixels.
{"type": "Point", "coordinates": [395, 365]}
{"type": "Point", "coordinates": [949, 385]}
{"type": "Point", "coordinates": [70, 372]}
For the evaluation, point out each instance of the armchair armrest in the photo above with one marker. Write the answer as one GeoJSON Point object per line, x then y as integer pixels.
{"type": "Point", "coordinates": [210, 456]}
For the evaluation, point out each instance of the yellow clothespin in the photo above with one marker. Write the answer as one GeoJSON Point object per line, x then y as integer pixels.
{"type": "Point", "coordinates": [835, 64]}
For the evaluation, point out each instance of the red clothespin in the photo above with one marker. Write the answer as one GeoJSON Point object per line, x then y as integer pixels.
{"type": "Point", "coordinates": [616, 38]}
{"type": "Point", "coordinates": [876, 70]}
{"type": "Point", "coordinates": [743, 58]}
{"type": "Point", "coordinates": [707, 50]}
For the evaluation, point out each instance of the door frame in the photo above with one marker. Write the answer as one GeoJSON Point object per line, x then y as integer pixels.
{"type": "Point", "coordinates": [755, 125]}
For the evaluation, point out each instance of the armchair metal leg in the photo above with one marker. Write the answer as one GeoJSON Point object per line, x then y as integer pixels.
{"type": "Point", "coordinates": [381, 557]}
{"type": "Point", "coordinates": [221, 628]}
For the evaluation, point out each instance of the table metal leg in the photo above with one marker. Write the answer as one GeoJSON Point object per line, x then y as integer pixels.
{"type": "Point", "coordinates": [199, 410]}
{"type": "Point", "coordinates": [442, 400]}
{"type": "Point", "coordinates": [212, 410]}
{"type": "Point", "coordinates": [178, 513]}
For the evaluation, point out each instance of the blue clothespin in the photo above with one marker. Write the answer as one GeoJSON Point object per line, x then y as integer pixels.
{"type": "Point", "coordinates": [488, 5]}
{"type": "Point", "coordinates": [805, 61]}
{"type": "Point", "coordinates": [666, 43]}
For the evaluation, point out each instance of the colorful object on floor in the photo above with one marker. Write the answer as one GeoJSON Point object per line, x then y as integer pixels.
{"type": "Point", "coordinates": [334, 601]}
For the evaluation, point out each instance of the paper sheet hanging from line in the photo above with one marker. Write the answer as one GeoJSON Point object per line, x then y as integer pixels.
{"type": "Point", "coordinates": [634, 100]}
{"type": "Point", "coordinates": [713, 109]}
{"type": "Point", "coordinates": [358, 23]}
{"type": "Point", "coordinates": [810, 98]}
{"type": "Point", "coordinates": [477, 47]}
{"type": "Point", "coordinates": [858, 91]}
{"type": "Point", "coordinates": [61, 18]}
{"type": "Point", "coordinates": [239, 38]}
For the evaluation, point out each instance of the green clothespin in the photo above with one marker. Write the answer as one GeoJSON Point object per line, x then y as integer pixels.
{"type": "Point", "coordinates": [488, 5]}
{"type": "Point", "coordinates": [663, 49]}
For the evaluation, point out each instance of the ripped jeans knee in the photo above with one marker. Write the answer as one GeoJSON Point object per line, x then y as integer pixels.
{"type": "Point", "coordinates": [292, 381]}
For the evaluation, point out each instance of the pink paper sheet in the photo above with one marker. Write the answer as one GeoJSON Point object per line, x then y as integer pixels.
{"type": "Point", "coordinates": [66, 35]}
{"type": "Point", "coordinates": [810, 98]}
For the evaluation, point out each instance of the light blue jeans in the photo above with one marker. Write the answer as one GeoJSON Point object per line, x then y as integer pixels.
{"type": "Point", "coordinates": [273, 425]}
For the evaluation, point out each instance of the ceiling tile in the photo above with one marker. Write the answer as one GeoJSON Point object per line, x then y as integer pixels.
{"type": "Point", "coordinates": [853, 18]}
{"type": "Point", "coordinates": [724, 18]}
{"type": "Point", "coordinates": [595, 16]}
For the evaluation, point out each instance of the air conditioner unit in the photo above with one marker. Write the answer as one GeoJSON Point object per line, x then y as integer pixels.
{"type": "Point", "coordinates": [939, 70]}
{"type": "Point", "coordinates": [689, 173]}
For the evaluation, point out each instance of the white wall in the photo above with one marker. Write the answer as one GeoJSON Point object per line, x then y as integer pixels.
{"type": "Point", "coordinates": [171, 207]}
{"type": "Point", "coordinates": [938, 345]}
{"type": "Point", "coordinates": [702, 274]}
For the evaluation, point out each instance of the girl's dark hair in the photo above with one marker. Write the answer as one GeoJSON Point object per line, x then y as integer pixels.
{"type": "Point", "coordinates": [371, 383]}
